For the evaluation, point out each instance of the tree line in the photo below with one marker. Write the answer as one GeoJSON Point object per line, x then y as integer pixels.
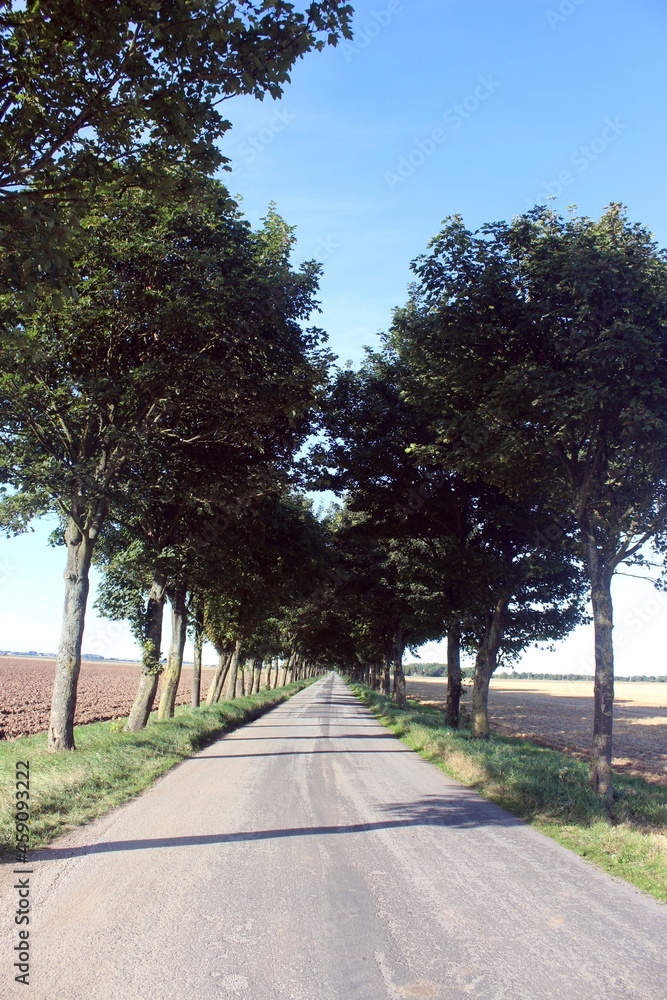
{"type": "Point", "coordinates": [157, 378]}
{"type": "Point", "coordinates": [496, 460]}
{"type": "Point", "coordinates": [468, 673]}
{"type": "Point", "coordinates": [512, 430]}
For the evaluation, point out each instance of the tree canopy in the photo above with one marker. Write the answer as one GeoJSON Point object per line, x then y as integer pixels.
{"type": "Point", "coordinates": [538, 349]}
{"type": "Point", "coordinates": [180, 371]}
{"type": "Point", "coordinates": [121, 93]}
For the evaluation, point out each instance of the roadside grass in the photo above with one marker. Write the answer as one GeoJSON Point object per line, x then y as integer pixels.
{"type": "Point", "coordinates": [546, 788]}
{"type": "Point", "coordinates": [111, 766]}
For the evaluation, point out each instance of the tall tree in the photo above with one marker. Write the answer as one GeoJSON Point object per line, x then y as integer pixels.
{"type": "Point", "coordinates": [539, 348]}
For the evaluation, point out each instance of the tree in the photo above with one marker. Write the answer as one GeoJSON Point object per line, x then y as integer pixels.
{"type": "Point", "coordinates": [364, 458]}
{"type": "Point", "coordinates": [198, 637]}
{"type": "Point", "coordinates": [469, 556]}
{"type": "Point", "coordinates": [539, 349]}
{"type": "Point", "coordinates": [108, 397]}
{"type": "Point", "coordinates": [519, 592]}
{"type": "Point", "coordinates": [119, 94]}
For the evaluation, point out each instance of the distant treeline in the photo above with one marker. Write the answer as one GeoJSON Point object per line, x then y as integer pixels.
{"type": "Point", "coordinates": [425, 669]}
{"type": "Point", "coordinates": [440, 670]}
{"type": "Point", "coordinates": [515, 675]}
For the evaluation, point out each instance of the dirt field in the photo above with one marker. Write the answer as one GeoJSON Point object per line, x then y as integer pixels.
{"type": "Point", "coordinates": [560, 714]}
{"type": "Point", "coordinates": [106, 691]}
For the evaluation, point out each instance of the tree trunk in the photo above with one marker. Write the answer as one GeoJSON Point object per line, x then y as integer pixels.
{"type": "Point", "coordinates": [385, 683]}
{"type": "Point", "coordinates": [172, 675]}
{"type": "Point", "coordinates": [601, 776]}
{"type": "Point", "coordinates": [485, 663]}
{"type": "Point", "coordinates": [242, 680]}
{"type": "Point", "coordinates": [480, 694]}
{"type": "Point", "coordinates": [400, 695]}
{"type": "Point", "coordinates": [198, 646]}
{"type": "Point", "coordinates": [454, 686]}
{"type": "Point", "coordinates": [220, 675]}
{"type": "Point", "coordinates": [275, 675]}
{"type": "Point", "coordinates": [256, 674]}
{"type": "Point", "coordinates": [283, 679]}
{"type": "Point", "coordinates": [152, 644]}
{"type": "Point", "coordinates": [233, 672]}
{"type": "Point", "coordinates": [68, 662]}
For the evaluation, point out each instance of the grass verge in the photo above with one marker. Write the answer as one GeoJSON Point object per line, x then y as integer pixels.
{"type": "Point", "coordinates": [547, 789]}
{"type": "Point", "coordinates": [111, 766]}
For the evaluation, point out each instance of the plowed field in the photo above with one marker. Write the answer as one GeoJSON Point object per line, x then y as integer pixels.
{"type": "Point", "coordinates": [106, 691]}
{"type": "Point", "coordinates": [560, 714]}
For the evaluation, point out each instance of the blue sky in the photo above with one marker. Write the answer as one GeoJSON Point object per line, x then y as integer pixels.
{"type": "Point", "coordinates": [481, 107]}
{"type": "Point", "coordinates": [330, 152]}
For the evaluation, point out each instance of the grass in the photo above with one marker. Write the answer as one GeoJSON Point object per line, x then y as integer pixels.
{"type": "Point", "coordinates": [111, 766]}
{"type": "Point", "coordinates": [547, 789]}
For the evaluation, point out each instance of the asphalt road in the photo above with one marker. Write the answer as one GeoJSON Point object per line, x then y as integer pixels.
{"type": "Point", "coordinates": [312, 856]}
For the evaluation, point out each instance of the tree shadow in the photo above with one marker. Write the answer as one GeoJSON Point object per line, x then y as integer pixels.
{"type": "Point", "coordinates": [292, 753]}
{"type": "Point", "coordinates": [313, 736]}
{"type": "Point", "coordinates": [463, 810]}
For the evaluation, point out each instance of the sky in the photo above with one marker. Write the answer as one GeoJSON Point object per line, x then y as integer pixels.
{"type": "Point", "coordinates": [478, 107]}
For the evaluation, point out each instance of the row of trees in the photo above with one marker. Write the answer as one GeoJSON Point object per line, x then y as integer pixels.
{"type": "Point", "coordinates": [155, 376]}
{"type": "Point", "coordinates": [497, 460]}
{"type": "Point", "coordinates": [509, 441]}
{"type": "Point", "coordinates": [161, 408]}
{"type": "Point", "coordinates": [158, 412]}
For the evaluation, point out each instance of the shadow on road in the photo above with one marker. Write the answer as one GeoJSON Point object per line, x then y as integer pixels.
{"type": "Point", "coordinates": [290, 753]}
{"type": "Point", "coordinates": [465, 810]}
{"type": "Point", "coordinates": [338, 736]}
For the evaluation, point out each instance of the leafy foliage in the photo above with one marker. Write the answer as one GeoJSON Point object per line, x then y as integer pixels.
{"type": "Point", "coordinates": [121, 93]}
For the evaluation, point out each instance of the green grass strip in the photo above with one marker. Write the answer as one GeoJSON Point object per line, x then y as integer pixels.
{"type": "Point", "coordinates": [546, 788]}
{"type": "Point", "coordinates": [111, 766]}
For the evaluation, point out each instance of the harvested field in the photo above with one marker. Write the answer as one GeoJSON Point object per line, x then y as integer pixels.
{"type": "Point", "coordinates": [106, 691]}
{"type": "Point", "coordinates": [560, 714]}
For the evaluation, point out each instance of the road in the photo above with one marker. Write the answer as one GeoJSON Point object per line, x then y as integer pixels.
{"type": "Point", "coordinates": [312, 856]}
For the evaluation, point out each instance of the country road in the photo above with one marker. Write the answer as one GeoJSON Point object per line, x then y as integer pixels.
{"type": "Point", "coordinates": [312, 856]}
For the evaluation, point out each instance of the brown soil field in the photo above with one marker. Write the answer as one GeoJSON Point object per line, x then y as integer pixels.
{"type": "Point", "coordinates": [106, 691]}
{"type": "Point", "coordinates": [559, 714]}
